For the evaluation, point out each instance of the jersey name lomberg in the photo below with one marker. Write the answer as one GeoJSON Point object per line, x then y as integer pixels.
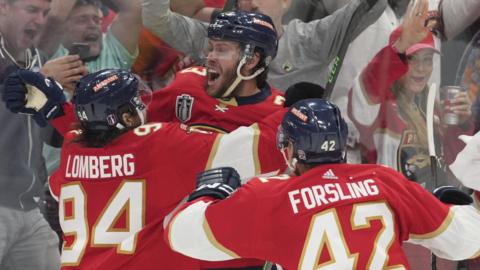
{"type": "Point", "coordinates": [318, 195]}
{"type": "Point", "coordinates": [100, 166]}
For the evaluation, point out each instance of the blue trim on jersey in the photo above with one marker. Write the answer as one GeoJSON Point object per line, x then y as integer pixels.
{"type": "Point", "coordinates": [259, 97]}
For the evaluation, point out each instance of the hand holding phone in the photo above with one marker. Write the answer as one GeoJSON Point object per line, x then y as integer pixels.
{"type": "Point", "coordinates": [80, 49]}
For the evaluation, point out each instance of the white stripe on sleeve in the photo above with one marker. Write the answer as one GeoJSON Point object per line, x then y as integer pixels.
{"type": "Point", "coordinates": [238, 149]}
{"type": "Point", "coordinates": [190, 234]}
{"type": "Point", "coordinates": [458, 238]}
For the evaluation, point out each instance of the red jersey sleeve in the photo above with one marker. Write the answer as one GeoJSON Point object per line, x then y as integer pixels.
{"type": "Point", "coordinates": [411, 201]}
{"type": "Point", "coordinates": [161, 107]}
{"type": "Point", "coordinates": [63, 124]}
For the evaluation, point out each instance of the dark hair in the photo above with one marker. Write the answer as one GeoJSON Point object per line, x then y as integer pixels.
{"type": "Point", "coordinates": [99, 138]}
{"type": "Point", "coordinates": [302, 90]}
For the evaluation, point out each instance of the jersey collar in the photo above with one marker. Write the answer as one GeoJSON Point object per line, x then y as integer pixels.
{"type": "Point", "coordinates": [264, 93]}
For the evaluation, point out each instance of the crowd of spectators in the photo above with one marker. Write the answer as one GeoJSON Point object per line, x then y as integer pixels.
{"type": "Point", "coordinates": [389, 67]}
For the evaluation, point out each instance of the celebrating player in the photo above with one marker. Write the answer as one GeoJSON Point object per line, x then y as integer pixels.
{"type": "Point", "coordinates": [330, 215]}
{"type": "Point", "coordinates": [119, 177]}
{"type": "Point", "coordinates": [231, 91]}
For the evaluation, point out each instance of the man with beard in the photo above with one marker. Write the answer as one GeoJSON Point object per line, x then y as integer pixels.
{"type": "Point", "coordinates": [305, 49]}
{"type": "Point", "coordinates": [231, 90]}
{"type": "Point", "coordinates": [79, 21]}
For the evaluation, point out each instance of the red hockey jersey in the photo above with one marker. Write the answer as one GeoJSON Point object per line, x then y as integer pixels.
{"type": "Point", "coordinates": [186, 100]}
{"type": "Point", "coordinates": [335, 216]}
{"type": "Point", "coordinates": [113, 200]}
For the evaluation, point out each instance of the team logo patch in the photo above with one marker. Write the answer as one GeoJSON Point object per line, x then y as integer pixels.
{"type": "Point", "coordinates": [263, 23]}
{"type": "Point", "coordinates": [111, 119]}
{"type": "Point", "coordinates": [412, 158]}
{"type": "Point", "coordinates": [183, 107]}
{"type": "Point", "coordinates": [287, 66]}
{"type": "Point", "coordinates": [301, 155]}
{"type": "Point", "coordinates": [299, 114]}
{"type": "Point", "coordinates": [104, 83]}
{"type": "Point", "coordinates": [329, 175]}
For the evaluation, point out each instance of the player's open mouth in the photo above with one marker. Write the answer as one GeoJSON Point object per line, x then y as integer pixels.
{"type": "Point", "coordinates": [212, 76]}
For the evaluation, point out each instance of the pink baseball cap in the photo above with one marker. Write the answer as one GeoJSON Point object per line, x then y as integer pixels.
{"type": "Point", "coordinates": [426, 43]}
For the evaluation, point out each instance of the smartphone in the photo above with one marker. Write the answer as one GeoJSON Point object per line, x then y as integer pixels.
{"type": "Point", "coordinates": [80, 49]}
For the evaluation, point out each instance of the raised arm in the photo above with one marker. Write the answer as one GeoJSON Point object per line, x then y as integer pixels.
{"type": "Point", "coordinates": [52, 34]}
{"type": "Point", "coordinates": [34, 94]}
{"type": "Point", "coordinates": [193, 8]}
{"type": "Point", "coordinates": [126, 26]}
{"type": "Point", "coordinates": [185, 34]}
{"type": "Point", "coordinates": [187, 7]}
{"type": "Point", "coordinates": [322, 38]}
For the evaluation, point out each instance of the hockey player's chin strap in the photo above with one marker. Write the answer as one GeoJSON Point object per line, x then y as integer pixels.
{"type": "Point", "coordinates": [290, 165]}
{"type": "Point", "coordinates": [141, 115]}
{"type": "Point", "coordinates": [246, 56]}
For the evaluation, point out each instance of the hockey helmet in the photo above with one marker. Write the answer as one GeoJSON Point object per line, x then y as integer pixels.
{"type": "Point", "coordinates": [316, 130]}
{"type": "Point", "coordinates": [99, 95]}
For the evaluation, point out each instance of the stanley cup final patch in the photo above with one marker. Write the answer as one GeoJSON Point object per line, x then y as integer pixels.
{"type": "Point", "coordinates": [183, 107]}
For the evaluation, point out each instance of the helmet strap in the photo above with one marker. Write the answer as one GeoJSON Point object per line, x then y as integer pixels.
{"type": "Point", "coordinates": [291, 165]}
{"type": "Point", "coordinates": [141, 116]}
{"type": "Point", "coordinates": [246, 55]}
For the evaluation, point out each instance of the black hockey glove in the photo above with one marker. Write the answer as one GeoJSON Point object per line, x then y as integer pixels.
{"type": "Point", "coordinates": [452, 195]}
{"type": "Point", "coordinates": [31, 93]}
{"type": "Point", "coordinates": [49, 208]}
{"type": "Point", "coordinates": [302, 90]}
{"type": "Point", "coordinates": [217, 183]}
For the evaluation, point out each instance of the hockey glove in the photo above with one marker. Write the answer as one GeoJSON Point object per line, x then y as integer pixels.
{"type": "Point", "coordinates": [217, 183]}
{"type": "Point", "coordinates": [31, 93]}
{"type": "Point", "coordinates": [49, 208]}
{"type": "Point", "coordinates": [452, 195]}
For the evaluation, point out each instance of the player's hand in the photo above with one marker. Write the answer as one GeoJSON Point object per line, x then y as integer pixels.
{"type": "Point", "coordinates": [452, 195]}
{"type": "Point", "coordinates": [14, 94]}
{"type": "Point", "coordinates": [218, 183]}
{"type": "Point", "coordinates": [31, 93]}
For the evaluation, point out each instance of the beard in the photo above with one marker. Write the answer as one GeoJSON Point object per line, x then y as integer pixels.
{"type": "Point", "coordinates": [228, 79]}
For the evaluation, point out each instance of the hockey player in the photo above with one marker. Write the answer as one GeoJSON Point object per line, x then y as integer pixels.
{"type": "Point", "coordinates": [329, 215]}
{"type": "Point", "coordinates": [231, 91]}
{"type": "Point", "coordinates": [466, 165]}
{"type": "Point", "coordinates": [119, 176]}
